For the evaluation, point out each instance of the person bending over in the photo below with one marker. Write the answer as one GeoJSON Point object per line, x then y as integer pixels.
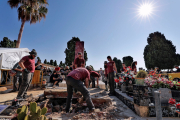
{"type": "Point", "coordinates": [94, 75]}
{"type": "Point", "coordinates": [75, 80]}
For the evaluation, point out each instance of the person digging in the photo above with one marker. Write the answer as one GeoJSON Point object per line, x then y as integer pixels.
{"type": "Point", "coordinates": [75, 80]}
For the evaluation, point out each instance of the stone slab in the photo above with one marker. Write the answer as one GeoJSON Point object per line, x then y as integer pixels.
{"type": "Point", "coordinates": [3, 89]}
{"type": "Point", "coordinates": [6, 91]}
{"type": "Point", "coordinates": [101, 84]}
{"type": "Point", "coordinates": [165, 95]}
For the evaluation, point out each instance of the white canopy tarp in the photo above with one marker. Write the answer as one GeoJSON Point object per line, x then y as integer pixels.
{"type": "Point", "coordinates": [10, 56]}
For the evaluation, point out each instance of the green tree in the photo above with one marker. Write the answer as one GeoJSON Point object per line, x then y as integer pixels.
{"type": "Point", "coordinates": [38, 58]}
{"type": "Point", "coordinates": [63, 65]}
{"type": "Point", "coordinates": [159, 52]}
{"type": "Point", "coordinates": [55, 63]}
{"type": "Point", "coordinates": [177, 59]}
{"type": "Point", "coordinates": [51, 62]}
{"type": "Point", "coordinates": [92, 67]}
{"type": "Point", "coordinates": [118, 64]}
{"type": "Point", "coordinates": [29, 10]}
{"type": "Point", "coordinates": [7, 43]}
{"type": "Point", "coordinates": [45, 61]}
{"type": "Point", "coordinates": [60, 65]}
{"type": "Point", "coordinates": [48, 63]}
{"type": "Point", "coordinates": [70, 51]}
{"type": "Point", "coordinates": [127, 60]}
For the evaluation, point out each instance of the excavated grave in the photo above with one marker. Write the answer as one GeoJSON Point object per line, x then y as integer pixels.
{"type": "Point", "coordinates": [55, 101]}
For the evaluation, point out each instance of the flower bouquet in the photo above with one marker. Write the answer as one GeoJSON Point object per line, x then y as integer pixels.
{"type": "Point", "coordinates": [161, 82]}
{"type": "Point", "coordinates": [174, 105]}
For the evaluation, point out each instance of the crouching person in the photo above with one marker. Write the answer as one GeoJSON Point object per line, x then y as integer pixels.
{"type": "Point", "coordinates": [94, 75]}
{"type": "Point", "coordinates": [75, 80]}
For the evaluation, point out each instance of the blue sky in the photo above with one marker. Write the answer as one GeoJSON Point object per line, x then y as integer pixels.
{"type": "Point", "coordinates": [108, 27]}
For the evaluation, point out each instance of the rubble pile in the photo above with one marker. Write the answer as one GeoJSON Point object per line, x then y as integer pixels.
{"type": "Point", "coordinates": [81, 111]}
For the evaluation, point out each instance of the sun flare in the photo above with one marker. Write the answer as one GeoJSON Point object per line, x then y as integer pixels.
{"type": "Point", "coordinates": [145, 10]}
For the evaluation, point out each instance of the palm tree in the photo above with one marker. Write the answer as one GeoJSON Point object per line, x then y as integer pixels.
{"type": "Point", "coordinates": [29, 10]}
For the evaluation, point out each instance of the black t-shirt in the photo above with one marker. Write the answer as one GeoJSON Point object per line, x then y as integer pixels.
{"type": "Point", "coordinates": [178, 70]}
{"type": "Point", "coordinates": [54, 76]}
{"type": "Point", "coordinates": [38, 67]}
{"type": "Point", "coordinates": [62, 70]}
{"type": "Point", "coordinates": [49, 71]}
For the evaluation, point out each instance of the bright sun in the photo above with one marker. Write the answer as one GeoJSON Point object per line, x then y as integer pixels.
{"type": "Point", "coordinates": [145, 10]}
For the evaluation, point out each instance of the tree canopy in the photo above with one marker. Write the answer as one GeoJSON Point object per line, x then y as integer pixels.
{"type": "Point", "coordinates": [55, 63]}
{"type": "Point", "coordinates": [45, 61]}
{"type": "Point", "coordinates": [60, 64]}
{"type": "Point", "coordinates": [92, 67]}
{"type": "Point", "coordinates": [127, 60]}
{"type": "Point", "coordinates": [118, 64]}
{"type": "Point", "coordinates": [160, 52]}
{"type": "Point", "coordinates": [29, 10]}
{"type": "Point", "coordinates": [70, 51]}
{"type": "Point", "coordinates": [7, 43]}
{"type": "Point", "coordinates": [177, 59]}
{"type": "Point", "coordinates": [51, 62]}
{"type": "Point", "coordinates": [39, 58]}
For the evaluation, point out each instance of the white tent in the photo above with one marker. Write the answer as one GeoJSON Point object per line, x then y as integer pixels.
{"type": "Point", "coordinates": [10, 56]}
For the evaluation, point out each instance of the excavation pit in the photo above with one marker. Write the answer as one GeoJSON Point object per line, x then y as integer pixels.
{"type": "Point", "coordinates": [55, 101]}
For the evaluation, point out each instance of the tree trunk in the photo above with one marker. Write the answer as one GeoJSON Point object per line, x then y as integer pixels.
{"type": "Point", "coordinates": [20, 34]}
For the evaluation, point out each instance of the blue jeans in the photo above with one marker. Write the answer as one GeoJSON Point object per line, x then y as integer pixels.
{"type": "Point", "coordinates": [77, 84]}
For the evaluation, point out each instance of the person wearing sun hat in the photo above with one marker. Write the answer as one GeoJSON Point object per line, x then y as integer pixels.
{"type": "Point", "coordinates": [27, 63]}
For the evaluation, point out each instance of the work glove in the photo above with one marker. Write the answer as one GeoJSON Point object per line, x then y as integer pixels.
{"type": "Point", "coordinates": [26, 71]}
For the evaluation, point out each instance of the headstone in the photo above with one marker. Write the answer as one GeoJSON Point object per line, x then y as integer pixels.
{"type": "Point", "coordinates": [165, 95]}
{"type": "Point", "coordinates": [79, 48]}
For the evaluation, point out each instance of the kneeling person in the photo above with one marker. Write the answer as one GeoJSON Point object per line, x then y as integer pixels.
{"type": "Point", "coordinates": [75, 80]}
